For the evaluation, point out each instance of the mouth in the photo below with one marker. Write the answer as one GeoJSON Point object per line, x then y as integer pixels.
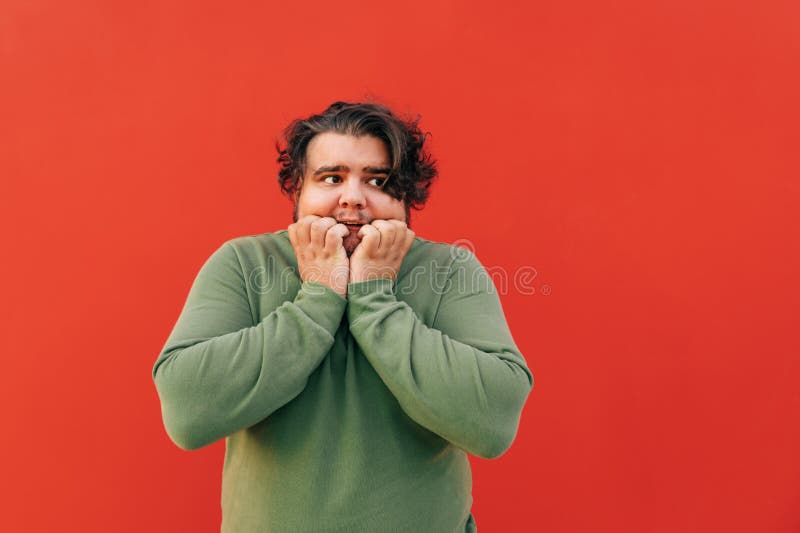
{"type": "Point", "coordinates": [353, 226]}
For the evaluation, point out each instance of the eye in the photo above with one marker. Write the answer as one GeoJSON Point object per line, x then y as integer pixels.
{"type": "Point", "coordinates": [378, 182]}
{"type": "Point", "coordinates": [332, 179]}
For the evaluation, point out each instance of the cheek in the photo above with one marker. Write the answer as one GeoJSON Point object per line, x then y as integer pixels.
{"type": "Point", "coordinates": [387, 207]}
{"type": "Point", "coordinates": [313, 202]}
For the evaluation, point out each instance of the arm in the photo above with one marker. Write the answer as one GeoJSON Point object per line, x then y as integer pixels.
{"type": "Point", "coordinates": [220, 372]}
{"type": "Point", "coordinates": [463, 378]}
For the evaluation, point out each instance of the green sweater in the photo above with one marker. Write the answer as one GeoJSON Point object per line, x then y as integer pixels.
{"type": "Point", "coordinates": [343, 414]}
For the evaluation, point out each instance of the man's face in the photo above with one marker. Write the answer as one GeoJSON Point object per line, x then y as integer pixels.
{"type": "Point", "coordinates": [343, 179]}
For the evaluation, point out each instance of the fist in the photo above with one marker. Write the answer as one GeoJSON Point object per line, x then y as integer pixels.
{"type": "Point", "coordinates": [320, 253]}
{"type": "Point", "coordinates": [383, 246]}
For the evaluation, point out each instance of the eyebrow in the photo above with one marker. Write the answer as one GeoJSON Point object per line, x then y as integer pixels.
{"type": "Point", "coordinates": [342, 168]}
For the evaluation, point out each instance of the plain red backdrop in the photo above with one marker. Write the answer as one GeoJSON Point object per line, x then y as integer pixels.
{"type": "Point", "coordinates": [642, 157]}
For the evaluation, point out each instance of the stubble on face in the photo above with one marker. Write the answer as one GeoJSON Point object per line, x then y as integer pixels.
{"type": "Point", "coordinates": [352, 240]}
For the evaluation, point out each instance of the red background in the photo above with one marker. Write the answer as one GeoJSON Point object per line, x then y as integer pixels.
{"type": "Point", "coordinates": [641, 156]}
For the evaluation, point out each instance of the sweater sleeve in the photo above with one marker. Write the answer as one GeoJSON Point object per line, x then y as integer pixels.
{"type": "Point", "coordinates": [220, 372]}
{"type": "Point", "coordinates": [463, 378]}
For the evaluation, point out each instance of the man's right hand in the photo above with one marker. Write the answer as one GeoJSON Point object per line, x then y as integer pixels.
{"type": "Point", "coordinates": [321, 256]}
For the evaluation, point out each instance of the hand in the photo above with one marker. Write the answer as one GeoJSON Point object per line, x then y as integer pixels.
{"type": "Point", "coordinates": [321, 256]}
{"type": "Point", "coordinates": [383, 246]}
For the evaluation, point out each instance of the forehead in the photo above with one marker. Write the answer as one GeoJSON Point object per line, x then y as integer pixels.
{"type": "Point", "coordinates": [331, 148]}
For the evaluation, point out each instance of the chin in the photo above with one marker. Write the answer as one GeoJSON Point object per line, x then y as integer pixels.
{"type": "Point", "coordinates": [350, 242]}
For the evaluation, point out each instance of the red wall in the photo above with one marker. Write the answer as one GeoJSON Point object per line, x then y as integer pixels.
{"type": "Point", "coordinates": [641, 156]}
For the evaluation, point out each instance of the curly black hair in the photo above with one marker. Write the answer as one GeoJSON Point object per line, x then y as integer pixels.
{"type": "Point", "coordinates": [412, 168]}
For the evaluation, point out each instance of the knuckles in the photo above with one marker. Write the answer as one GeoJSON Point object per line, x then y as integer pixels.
{"type": "Point", "coordinates": [304, 235]}
{"type": "Point", "coordinates": [323, 223]}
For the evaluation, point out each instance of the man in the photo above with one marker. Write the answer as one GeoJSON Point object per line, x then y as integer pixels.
{"type": "Point", "coordinates": [350, 365]}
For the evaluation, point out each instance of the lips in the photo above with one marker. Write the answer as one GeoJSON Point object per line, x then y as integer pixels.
{"type": "Point", "coordinates": [352, 225]}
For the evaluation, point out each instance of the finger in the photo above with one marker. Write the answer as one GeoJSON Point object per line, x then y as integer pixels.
{"type": "Point", "coordinates": [334, 238]}
{"type": "Point", "coordinates": [401, 229]}
{"type": "Point", "coordinates": [398, 230]}
{"type": "Point", "coordinates": [409, 240]}
{"type": "Point", "coordinates": [318, 230]}
{"type": "Point", "coordinates": [388, 234]}
{"type": "Point", "coordinates": [303, 229]}
{"type": "Point", "coordinates": [370, 239]}
{"type": "Point", "coordinates": [293, 235]}
{"type": "Point", "coordinates": [403, 242]}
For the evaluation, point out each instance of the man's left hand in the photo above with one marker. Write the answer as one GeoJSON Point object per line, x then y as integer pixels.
{"type": "Point", "coordinates": [384, 244]}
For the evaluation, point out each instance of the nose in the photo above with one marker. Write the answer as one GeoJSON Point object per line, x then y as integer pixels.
{"type": "Point", "coordinates": [352, 195]}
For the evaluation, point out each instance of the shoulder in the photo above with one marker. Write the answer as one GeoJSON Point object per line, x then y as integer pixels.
{"type": "Point", "coordinates": [257, 248]}
{"type": "Point", "coordinates": [437, 266]}
{"type": "Point", "coordinates": [248, 254]}
{"type": "Point", "coordinates": [249, 244]}
{"type": "Point", "coordinates": [442, 254]}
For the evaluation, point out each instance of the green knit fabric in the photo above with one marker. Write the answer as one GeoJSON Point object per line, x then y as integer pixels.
{"type": "Point", "coordinates": [343, 414]}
